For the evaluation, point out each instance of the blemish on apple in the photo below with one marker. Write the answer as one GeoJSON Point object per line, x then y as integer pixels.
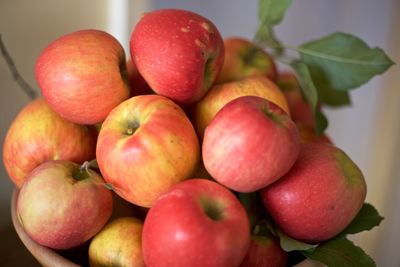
{"type": "Point", "coordinates": [185, 29]}
{"type": "Point", "coordinates": [207, 27]}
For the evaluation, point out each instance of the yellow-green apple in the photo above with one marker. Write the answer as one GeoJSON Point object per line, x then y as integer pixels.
{"type": "Point", "coordinates": [119, 243]}
{"type": "Point", "coordinates": [62, 205]}
{"type": "Point", "coordinates": [137, 84]}
{"type": "Point", "coordinates": [221, 94]}
{"type": "Point", "coordinates": [39, 134]}
{"type": "Point", "coordinates": [265, 251]}
{"type": "Point", "coordinates": [83, 75]}
{"type": "Point", "coordinates": [300, 110]}
{"type": "Point", "coordinates": [308, 134]}
{"type": "Point", "coordinates": [249, 144]}
{"type": "Point", "coordinates": [319, 196]}
{"type": "Point", "coordinates": [179, 53]}
{"type": "Point", "coordinates": [245, 59]}
{"type": "Point", "coordinates": [146, 145]}
{"type": "Point", "coordinates": [197, 223]}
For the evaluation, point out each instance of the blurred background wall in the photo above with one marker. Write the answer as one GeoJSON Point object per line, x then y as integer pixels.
{"type": "Point", "coordinates": [368, 131]}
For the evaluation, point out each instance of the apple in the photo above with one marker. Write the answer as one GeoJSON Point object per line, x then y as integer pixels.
{"type": "Point", "coordinates": [265, 251]}
{"type": "Point", "coordinates": [146, 145]}
{"type": "Point", "coordinates": [136, 82]}
{"type": "Point", "coordinates": [38, 134]}
{"type": "Point", "coordinates": [119, 243]}
{"type": "Point", "coordinates": [245, 59]}
{"type": "Point", "coordinates": [249, 144]}
{"type": "Point", "coordinates": [83, 75]}
{"type": "Point", "coordinates": [179, 53]}
{"type": "Point", "coordinates": [62, 205]}
{"type": "Point", "coordinates": [308, 134]}
{"type": "Point", "coordinates": [219, 95]}
{"type": "Point", "coordinates": [198, 222]}
{"type": "Point", "coordinates": [300, 110]}
{"type": "Point", "coordinates": [319, 196]}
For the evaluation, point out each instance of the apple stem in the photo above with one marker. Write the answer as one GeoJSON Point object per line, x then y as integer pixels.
{"type": "Point", "coordinates": [83, 172]}
{"type": "Point", "coordinates": [108, 186]}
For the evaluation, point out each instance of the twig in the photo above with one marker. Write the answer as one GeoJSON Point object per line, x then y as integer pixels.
{"type": "Point", "coordinates": [14, 71]}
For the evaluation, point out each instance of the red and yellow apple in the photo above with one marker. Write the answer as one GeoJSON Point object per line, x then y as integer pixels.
{"type": "Point", "coordinates": [319, 196]}
{"type": "Point", "coordinates": [179, 53]}
{"type": "Point", "coordinates": [83, 76]}
{"type": "Point", "coordinates": [249, 144]}
{"type": "Point", "coordinates": [245, 59]}
{"type": "Point", "coordinates": [62, 205]}
{"type": "Point", "coordinates": [197, 223]}
{"type": "Point", "coordinates": [119, 243]}
{"type": "Point", "coordinates": [39, 134]}
{"type": "Point", "coordinates": [219, 95]}
{"type": "Point", "coordinates": [146, 145]}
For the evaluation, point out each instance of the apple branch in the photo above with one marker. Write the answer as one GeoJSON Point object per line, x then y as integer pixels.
{"type": "Point", "coordinates": [15, 73]}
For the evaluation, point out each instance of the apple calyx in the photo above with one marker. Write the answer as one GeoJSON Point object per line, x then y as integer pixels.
{"type": "Point", "coordinates": [212, 209]}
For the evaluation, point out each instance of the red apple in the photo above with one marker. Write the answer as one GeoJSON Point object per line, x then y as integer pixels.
{"type": "Point", "coordinates": [83, 75]}
{"type": "Point", "coordinates": [197, 223]}
{"type": "Point", "coordinates": [250, 144]}
{"type": "Point", "coordinates": [146, 145]}
{"type": "Point", "coordinates": [136, 82]}
{"type": "Point", "coordinates": [38, 134]}
{"type": "Point", "coordinates": [245, 59]}
{"type": "Point", "coordinates": [265, 251]}
{"type": "Point", "coordinates": [179, 53]}
{"type": "Point", "coordinates": [119, 243]}
{"type": "Point", "coordinates": [62, 205]}
{"type": "Point", "coordinates": [219, 95]}
{"type": "Point", "coordinates": [319, 196]}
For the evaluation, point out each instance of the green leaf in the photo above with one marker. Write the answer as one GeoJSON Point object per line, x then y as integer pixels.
{"type": "Point", "coordinates": [333, 98]}
{"type": "Point", "coordinates": [366, 219]}
{"type": "Point", "coordinates": [289, 244]}
{"type": "Point", "coordinates": [310, 93]}
{"type": "Point", "coordinates": [342, 61]}
{"type": "Point", "coordinates": [271, 12]}
{"type": "Point", "coordinates": [340, 253]}
{"type": "Point", "coordinates": [321, 122]}
{"type": "Point", "coordinates": [306, 83]}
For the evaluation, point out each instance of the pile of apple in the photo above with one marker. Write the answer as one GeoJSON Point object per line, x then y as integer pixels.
{"type": "Point", "coordinates": [219, 122]}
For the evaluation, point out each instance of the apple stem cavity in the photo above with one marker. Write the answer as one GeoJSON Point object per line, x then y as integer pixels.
{"type": "Point", "coordinates": [273, 116]}
{"type": "Point", "coordinates": [212, 209]}
{"type": "Point", "coordinates": [83, 172]}
{"type": "Point", "coordinates": [132, 127]}
{"type": "Point", "coordinates": [208, 72]}
{"type": "Point", "coordinates": [250, 55]}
